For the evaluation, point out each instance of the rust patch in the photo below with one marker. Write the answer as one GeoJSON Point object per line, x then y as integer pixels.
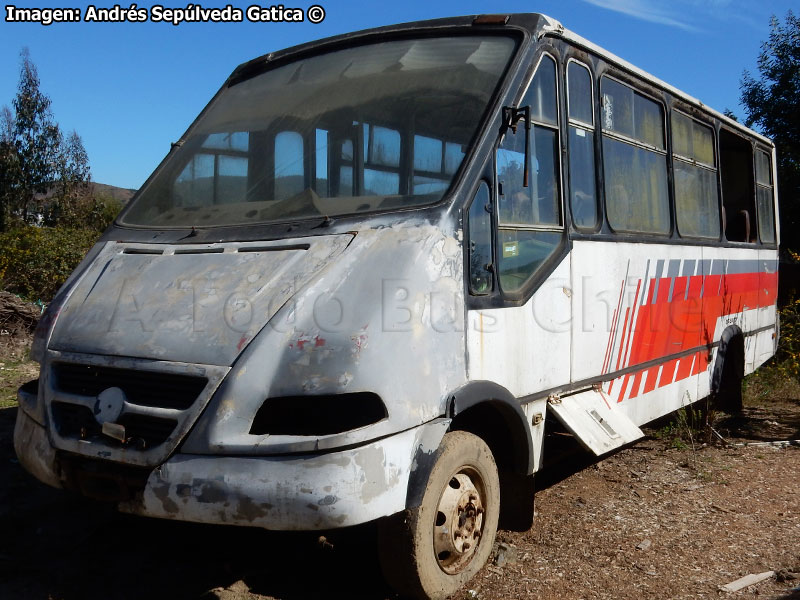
{"type": "Point", "coordinates": [211, 492]}
{"type": "Point", "coordinates": [250, 511]}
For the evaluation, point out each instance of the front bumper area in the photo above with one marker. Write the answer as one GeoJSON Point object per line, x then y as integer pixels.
{"type": "Point", "coordinates": [300, 492]}
{"type": "Point", "coordinates": [34, 450]}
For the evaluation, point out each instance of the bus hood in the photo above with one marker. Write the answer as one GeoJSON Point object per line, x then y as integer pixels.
{"type": "Point", "coordinates": [197, 304]}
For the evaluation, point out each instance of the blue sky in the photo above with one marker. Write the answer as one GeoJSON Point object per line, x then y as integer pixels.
{"type": "Point", "coordinates": [129, 89]}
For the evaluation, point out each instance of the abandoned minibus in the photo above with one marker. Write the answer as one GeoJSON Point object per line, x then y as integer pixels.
{"type": "Point", "coordinates": [378, 268]}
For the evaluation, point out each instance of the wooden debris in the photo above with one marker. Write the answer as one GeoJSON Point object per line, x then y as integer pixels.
{"type": "Point", "coordinates": [735, 586]}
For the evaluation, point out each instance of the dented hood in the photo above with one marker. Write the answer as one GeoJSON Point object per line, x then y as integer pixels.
{"type": "Point", "coordinates": [198, 304]}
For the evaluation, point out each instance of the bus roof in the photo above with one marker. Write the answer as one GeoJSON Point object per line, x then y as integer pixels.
{"type": "Point", "coordinates": [539, 25]}
{"type": "Point", "coordinates": [555, 28]}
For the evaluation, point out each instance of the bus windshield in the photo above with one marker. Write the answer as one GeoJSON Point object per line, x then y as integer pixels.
{"type": "Point", "coordinates": [363, 129]}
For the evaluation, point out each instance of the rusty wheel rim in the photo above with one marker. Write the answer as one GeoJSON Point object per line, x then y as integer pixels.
{"type": "Point", "coordinates": [458, 523]}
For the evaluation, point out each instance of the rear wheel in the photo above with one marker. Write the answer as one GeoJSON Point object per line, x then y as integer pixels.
{"type": "Point", "coordinates": [729, 394]}
{"type": "Point", "coordinates": [432, 550]}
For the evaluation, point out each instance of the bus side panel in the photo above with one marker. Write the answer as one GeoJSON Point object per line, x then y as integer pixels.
{"type": "Point", "coordinates": [641, 306]}
{"type": "Point", "coordinates": [733, 296]}
{"type": "Point", "coordinates": [768, 309]}
{"type": "Point", "coordinates": [665, 308]}
{"type": "Point", "coordinates": [526, 349]}
{"type": "Point", "coordinates": [622, 303]}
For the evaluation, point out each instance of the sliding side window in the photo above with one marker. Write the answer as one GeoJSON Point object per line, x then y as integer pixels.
{"type": "Point", "coordinates": [634, 160]}
{"type": "Point", "coordinates": [582, 188]}
{"type": "Point", "coordinates": [530, 219]}
{"type": "Point", "coordinates": [695, 172]}
{"type": "Point", "coordinates": [766, 214]}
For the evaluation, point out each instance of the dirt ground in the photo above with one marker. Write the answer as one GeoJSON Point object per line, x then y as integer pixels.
{"type": "Point", "coordinates": [667, 517]}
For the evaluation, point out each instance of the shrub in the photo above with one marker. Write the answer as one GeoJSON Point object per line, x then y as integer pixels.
{"type": "Point", "coordinates": [35, 261]}
{"type": "Point", "coordinates": [787, 358]}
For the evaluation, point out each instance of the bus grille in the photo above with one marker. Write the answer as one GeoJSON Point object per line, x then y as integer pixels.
{"type": "Point", "coordinates": [145, 388]}
{"type": "Point", "coordinates": [142, 431]}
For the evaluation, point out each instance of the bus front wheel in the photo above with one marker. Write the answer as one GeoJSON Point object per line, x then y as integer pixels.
{"type": "Point", "coordinates": [434, 549]}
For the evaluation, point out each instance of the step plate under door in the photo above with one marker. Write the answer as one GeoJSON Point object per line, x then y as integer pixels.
{"type": "Point", "coordinates": [595, 420]}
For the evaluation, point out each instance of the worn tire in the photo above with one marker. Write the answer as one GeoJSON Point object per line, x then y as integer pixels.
{"type": "Point", "coordinates": [729, 395]}
{"type": "Point", "coordinates": [429, 552]}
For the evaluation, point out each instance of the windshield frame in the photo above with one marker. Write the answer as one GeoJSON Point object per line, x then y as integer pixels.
{"type": "Point", "coordinates": [518, 36]}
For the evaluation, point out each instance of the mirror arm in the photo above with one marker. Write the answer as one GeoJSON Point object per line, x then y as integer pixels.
{"type": "Point", "coordinates": [526, 113]}
{"type": "Point", "coordinates": [511, 117]}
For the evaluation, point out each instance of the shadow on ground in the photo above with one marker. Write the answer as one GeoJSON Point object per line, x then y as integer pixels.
{"type": "Point", "coordinates": [59, 546]}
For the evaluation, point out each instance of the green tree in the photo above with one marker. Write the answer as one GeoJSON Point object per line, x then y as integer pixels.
{"type": "Point", "coordinates": [40, 170]}
{"type": "Point", "coordinates": [772, 104]}
{"type": "Point", "coordinates": [37, 138]}
{"type": "Point", "coordinates": [9, 167]}
{"type": "Point", "coordinates": [71, 195]}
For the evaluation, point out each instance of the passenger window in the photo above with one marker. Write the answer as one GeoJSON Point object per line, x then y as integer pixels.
{"type": "Point", "coordinates": [634, 161]}
{"type": "Point", "coordinates": [237, 140]}
{"type": "Point", "coordinates": [195, 185]}
{"type": "Point", "coordinates": [322, 138]}
{"type": "Point", "coordinates": [381, 161]}
{"type": "Point", "coordinates": [217, 173]}
{"type": "Point", "coordinates": [480, 242]}
{"type": "Point", "coordinates": [530, 219]}
{"type": "Point", "coordinates": [583, 190]}
{"type": "Point", "coordinates": [695, 175]}
{"type": "Point", "coordinates": [738, 187]}
{"type": "Point", "coordinates": [381, 146]}
{"type": "Point", "coordinates": [289, 174]}
{"type": "Point", "coordinates": [435, 161]}
{"type": "Point", "coordinates": [766, 214]}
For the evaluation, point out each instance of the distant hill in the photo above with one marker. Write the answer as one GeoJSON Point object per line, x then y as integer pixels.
{"type": "Point", "coordinates": [117, 193]}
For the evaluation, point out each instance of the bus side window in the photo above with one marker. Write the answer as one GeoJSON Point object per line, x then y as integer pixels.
{"type": "Point", "coordinates": [695, 176]}
{"type": "Point", "coordinates": [582, 193]}
{"type": "Point", "coordinates": [634, 160]}
{"type": "Point", "coordinates": [381, 161]}
{"type": "Point", "coordinates": [218, 172]}
{"type": "Point", "coordinates": [322, 182]}
{"type": "Point", "coordinates": [289, 173]}
{"type": "Point", "coordinates": [766, 211]}
{"type": "Point", "coordinates": [738, 189]}
{"type": "Point", "coordinates": [530, 220]}
{"type": "Point", "coordinates": [480, 242]}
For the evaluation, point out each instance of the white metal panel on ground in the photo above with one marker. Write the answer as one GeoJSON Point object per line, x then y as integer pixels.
{"type": "Point", "coordinates": [595, 420]}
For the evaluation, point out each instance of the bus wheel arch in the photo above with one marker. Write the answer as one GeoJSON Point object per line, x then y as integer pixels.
{"type": "Point", "coordinates": [728, 372]}
{"type": "Point", "coordinates": [492, 413]}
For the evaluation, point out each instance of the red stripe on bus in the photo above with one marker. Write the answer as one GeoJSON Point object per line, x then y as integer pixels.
{"type": "Point", "coordinates": [637, 382]}
{"type": "Point", "coordinates": [625, 356]}
{"type": "Point", "coordinates": [663, 328]}
{"type": "Point", "coordinates": [624, 388]}
{"type": "Point", "coordinates": [667, 373]}
{"type": "Point", "coordinates": [610, 348]}
{"type": "Point", "coordinates": [650, 382]}
{"type": "Point", "coordinates": [685, 367]}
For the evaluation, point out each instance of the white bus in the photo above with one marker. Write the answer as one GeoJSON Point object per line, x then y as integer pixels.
{"type": "Point", "coordinates": [377, 266]}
